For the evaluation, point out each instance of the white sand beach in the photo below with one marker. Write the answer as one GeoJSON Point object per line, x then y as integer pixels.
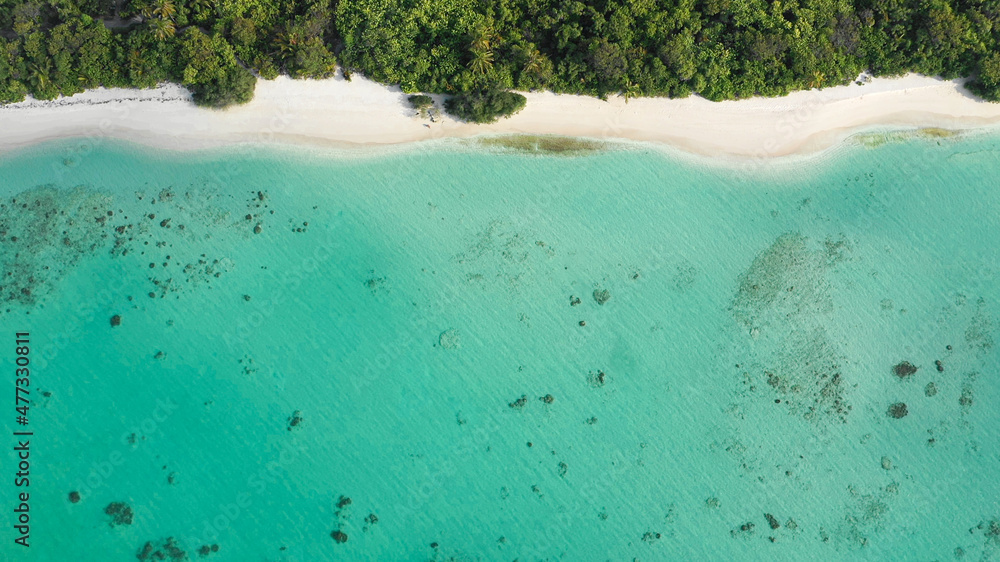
{"type": "Point", "coordinates": [361, 112]}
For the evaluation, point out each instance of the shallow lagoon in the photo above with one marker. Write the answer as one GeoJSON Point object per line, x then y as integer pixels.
{"type": "Point", "coordinates": [422, 332]}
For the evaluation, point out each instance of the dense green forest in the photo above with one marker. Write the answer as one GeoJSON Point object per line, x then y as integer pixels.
{"type": "Point", "coordinates": [476, 49]}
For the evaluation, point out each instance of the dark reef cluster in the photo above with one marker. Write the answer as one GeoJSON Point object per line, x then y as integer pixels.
{"type": "Point", "coordinates": [120, 513]}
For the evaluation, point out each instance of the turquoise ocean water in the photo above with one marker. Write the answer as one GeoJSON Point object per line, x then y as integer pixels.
{"type": "Point", "coordinates": [728, 397]}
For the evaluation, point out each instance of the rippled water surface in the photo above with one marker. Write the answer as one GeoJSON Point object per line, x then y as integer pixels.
{"type": "Point", "coordinates": [446, 354]}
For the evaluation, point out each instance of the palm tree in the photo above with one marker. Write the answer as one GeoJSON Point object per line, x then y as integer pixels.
{"type": "Point", "coordinates": [817, 80]}
{"type": "Point", "coordinates": [201, 8]}
{"type": "Point", "coordinates": [162, 28]}
{"type": "Point", "coordinates": [165, 9]}
{"type": "Point", "coordinates": [40, 76]}
{"type": "Point", "coordinates": [136, 63]}
{"type": "Point", "coordinates": [484, 39]}
{"type": "Point", "coordinates": [482, 61]}
{"type": "Point", "coordinates": [146, 9]}
{"type": "Point", "coordinates": [630, 90]}
{"type": "Point", "coordinates": [533, 61]}
{"type": "Point", "coordinates": [286, 42]}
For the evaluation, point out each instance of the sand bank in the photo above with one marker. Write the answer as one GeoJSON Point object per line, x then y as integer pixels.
{"type": "Point", "coordinates": [362, 112]}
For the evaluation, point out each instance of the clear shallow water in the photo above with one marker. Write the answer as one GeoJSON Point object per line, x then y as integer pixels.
{"type": "Point", "coordinates": [431, 290]}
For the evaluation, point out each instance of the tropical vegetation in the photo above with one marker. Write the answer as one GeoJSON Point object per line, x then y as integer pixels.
{"type": "Point", "coordinates": [477, 50]}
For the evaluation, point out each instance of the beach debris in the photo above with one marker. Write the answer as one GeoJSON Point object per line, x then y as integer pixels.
{"type": "Point", "coordinates": [116, 320]}
{"type": "Point", "coordinates": [897, 410]}
{"type": "Point", "coordinates": [74, 497]}
{"type": "Point", "coordinates": [602, 295]}
{"type": "Point", "coordinates": [339, 536]}
{"type": "Point", "coordinates": [120, 512]}
{"type": "Point", "coordinates": [449, 339]}
{"type": "Point", "coordinates": [930, 389]}
{"type": "Point", "coordinates": [904, 369]}
{"type": "Point", "coordinates": [519, 403]}
{"type": "Point", "coordinates": [294, 420]}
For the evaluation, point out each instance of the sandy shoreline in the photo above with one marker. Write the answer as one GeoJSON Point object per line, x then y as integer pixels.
{"type": "Point", "coordinates": [361, 112]}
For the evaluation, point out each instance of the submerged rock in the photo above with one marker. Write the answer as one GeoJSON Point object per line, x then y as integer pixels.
{"type": "Point", "coordinates": [120, 512]}
{"type": "Point", "coordinates": [897, 410]}
{"type": "Point", "coordinates": [339, 536]}
{"type": "Point", "coordinates": [168, 549]}
{"type": "Point", "coordinates": [205, 549]}
{"type": "Point", "coordinates": [772, 521]}
{"type": "Point", "coordinates": [116, 320]}
{"type": "Point", "coordinates": [904, 369]}
{"type": "Point", "coordinates": [294, 420]}
{"type": "Point", "coordinates": [965, 400]}
{"type": "Point", "coordinates": [597, 379]}
{"type": "Point", "coordinates": [449, 339]}
{"type": "Point", "coordinates": [602, 296]}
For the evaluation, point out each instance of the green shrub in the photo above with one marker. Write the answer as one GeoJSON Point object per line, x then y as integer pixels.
{"type": "Point", "coordinates": [235, 86]}
{"type": "Point", "coordinates": [421, 102]}
{"type": "Point", "coordinates": [987, 83]}
{"type": "Point", "coordinates": [484, 107]}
